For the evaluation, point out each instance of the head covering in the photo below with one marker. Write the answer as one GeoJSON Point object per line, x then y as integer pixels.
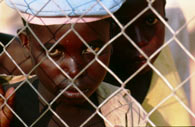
{"type": "Point", "coordinates": [48, 12]}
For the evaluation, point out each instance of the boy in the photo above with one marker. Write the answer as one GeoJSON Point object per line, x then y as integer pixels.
{"type": "Point", "coordinates": [154, 26]}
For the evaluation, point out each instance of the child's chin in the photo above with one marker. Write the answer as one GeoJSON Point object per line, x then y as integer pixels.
{"type": "Point", "coordinates": [75, 101]}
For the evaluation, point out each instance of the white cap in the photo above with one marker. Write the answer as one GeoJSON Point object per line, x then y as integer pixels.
{"type": "Point", "coordinates": [43, 20]}
{"type": "Point", "coordinates": [49, 12]}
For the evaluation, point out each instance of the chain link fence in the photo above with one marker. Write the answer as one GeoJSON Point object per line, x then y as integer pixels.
{"type": "Point", "coordinates": [160, 99]}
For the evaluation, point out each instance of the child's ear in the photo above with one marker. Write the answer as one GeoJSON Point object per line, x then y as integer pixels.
{"type": "Point", "coordinates": [23, 38]}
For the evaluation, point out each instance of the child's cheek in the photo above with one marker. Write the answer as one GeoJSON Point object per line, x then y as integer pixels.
{"type": "Point", "coordinates": [96, 70]}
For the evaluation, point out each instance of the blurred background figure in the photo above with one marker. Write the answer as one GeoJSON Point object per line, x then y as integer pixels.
{"type": "Point", "coordinates": [177, 21]}
{"type": "Point", "coordinates": [181, 18]}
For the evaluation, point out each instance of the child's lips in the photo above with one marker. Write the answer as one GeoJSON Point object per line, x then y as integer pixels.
{"type": "Point", "coordinates": [72, 93]}
{"type": "Point", "coordinates": [139, 58]}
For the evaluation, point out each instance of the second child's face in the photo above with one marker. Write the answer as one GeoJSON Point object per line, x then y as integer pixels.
{"type": "Point", "coordinates": [71, 55]}
{"type": "Point", "coordinates": [147, 32]}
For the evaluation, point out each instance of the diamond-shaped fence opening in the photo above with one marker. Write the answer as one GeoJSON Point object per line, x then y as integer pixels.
{"type": "Point", "coordinates": [60, 61]}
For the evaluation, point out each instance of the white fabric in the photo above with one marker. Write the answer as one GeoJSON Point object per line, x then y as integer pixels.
{"type": "Point", "coordinates": [121, 110]}
{"type": "Point", "coordinates": [176, 20]}
{"type": "Point", "coordinates": [65, 7]}
{"type": "Point", "coordinates": [59, 20]}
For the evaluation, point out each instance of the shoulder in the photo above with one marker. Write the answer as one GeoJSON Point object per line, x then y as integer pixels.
{"type": "Point", "coordinates": [119, 107]}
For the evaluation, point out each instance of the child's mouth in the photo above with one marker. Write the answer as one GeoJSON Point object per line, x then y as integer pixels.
{"type": "Point", "coordinates": [73, 93]}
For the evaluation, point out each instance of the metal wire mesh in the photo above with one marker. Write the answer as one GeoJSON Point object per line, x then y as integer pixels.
{"type": "Point", "coordinates": [134, 106]}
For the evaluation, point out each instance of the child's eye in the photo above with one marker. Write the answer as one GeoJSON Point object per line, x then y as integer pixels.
{"type": "Point", "coordinates": [55, 53]}
{"type": "Point", "coordinates": [151, 20]}
{"type": "Point", "coordinates": [88, 51]}
{"type": "Point", "coordinates": [95, 45]}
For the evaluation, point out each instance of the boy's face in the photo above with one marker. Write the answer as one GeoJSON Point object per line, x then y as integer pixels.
{"type": "Point", "coordinates": [147, 32]}
{"type": "Point", "coordinates": [71, 55]}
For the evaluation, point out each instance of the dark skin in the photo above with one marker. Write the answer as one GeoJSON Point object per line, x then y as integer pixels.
{"type": "Point", "coordinates": [71, 55]}
{"type": "Point", "coordinates": [5, 113]}
{"type": "Point", "coordinates": [147, 41]}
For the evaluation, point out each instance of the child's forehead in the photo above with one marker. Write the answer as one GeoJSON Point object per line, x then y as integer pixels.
{"type": "Point", "coordinates": [57, 28]}
{"type": "Point", "coordinates": [88, 31]}
{"type": "Point", "coordinates": [133, 7]}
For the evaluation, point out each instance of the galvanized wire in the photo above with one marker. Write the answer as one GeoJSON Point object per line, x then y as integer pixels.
{"type": "Point", "coordinates": [96, 59]}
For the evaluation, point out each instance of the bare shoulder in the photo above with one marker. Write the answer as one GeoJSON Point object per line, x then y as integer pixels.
{"type": "Point", "coordinates": [14, 53]}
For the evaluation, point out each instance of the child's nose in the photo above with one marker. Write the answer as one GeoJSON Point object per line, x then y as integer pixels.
{"type": "Point", "coordinates": [138, 36]}
{"type": "Point", "coordinates": [70, 66]}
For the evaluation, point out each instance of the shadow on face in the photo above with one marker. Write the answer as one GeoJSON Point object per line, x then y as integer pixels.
{"type": "Point", "coordinates": [146, 31]}
{"type": "Point", "coordinates": [66, 55]}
